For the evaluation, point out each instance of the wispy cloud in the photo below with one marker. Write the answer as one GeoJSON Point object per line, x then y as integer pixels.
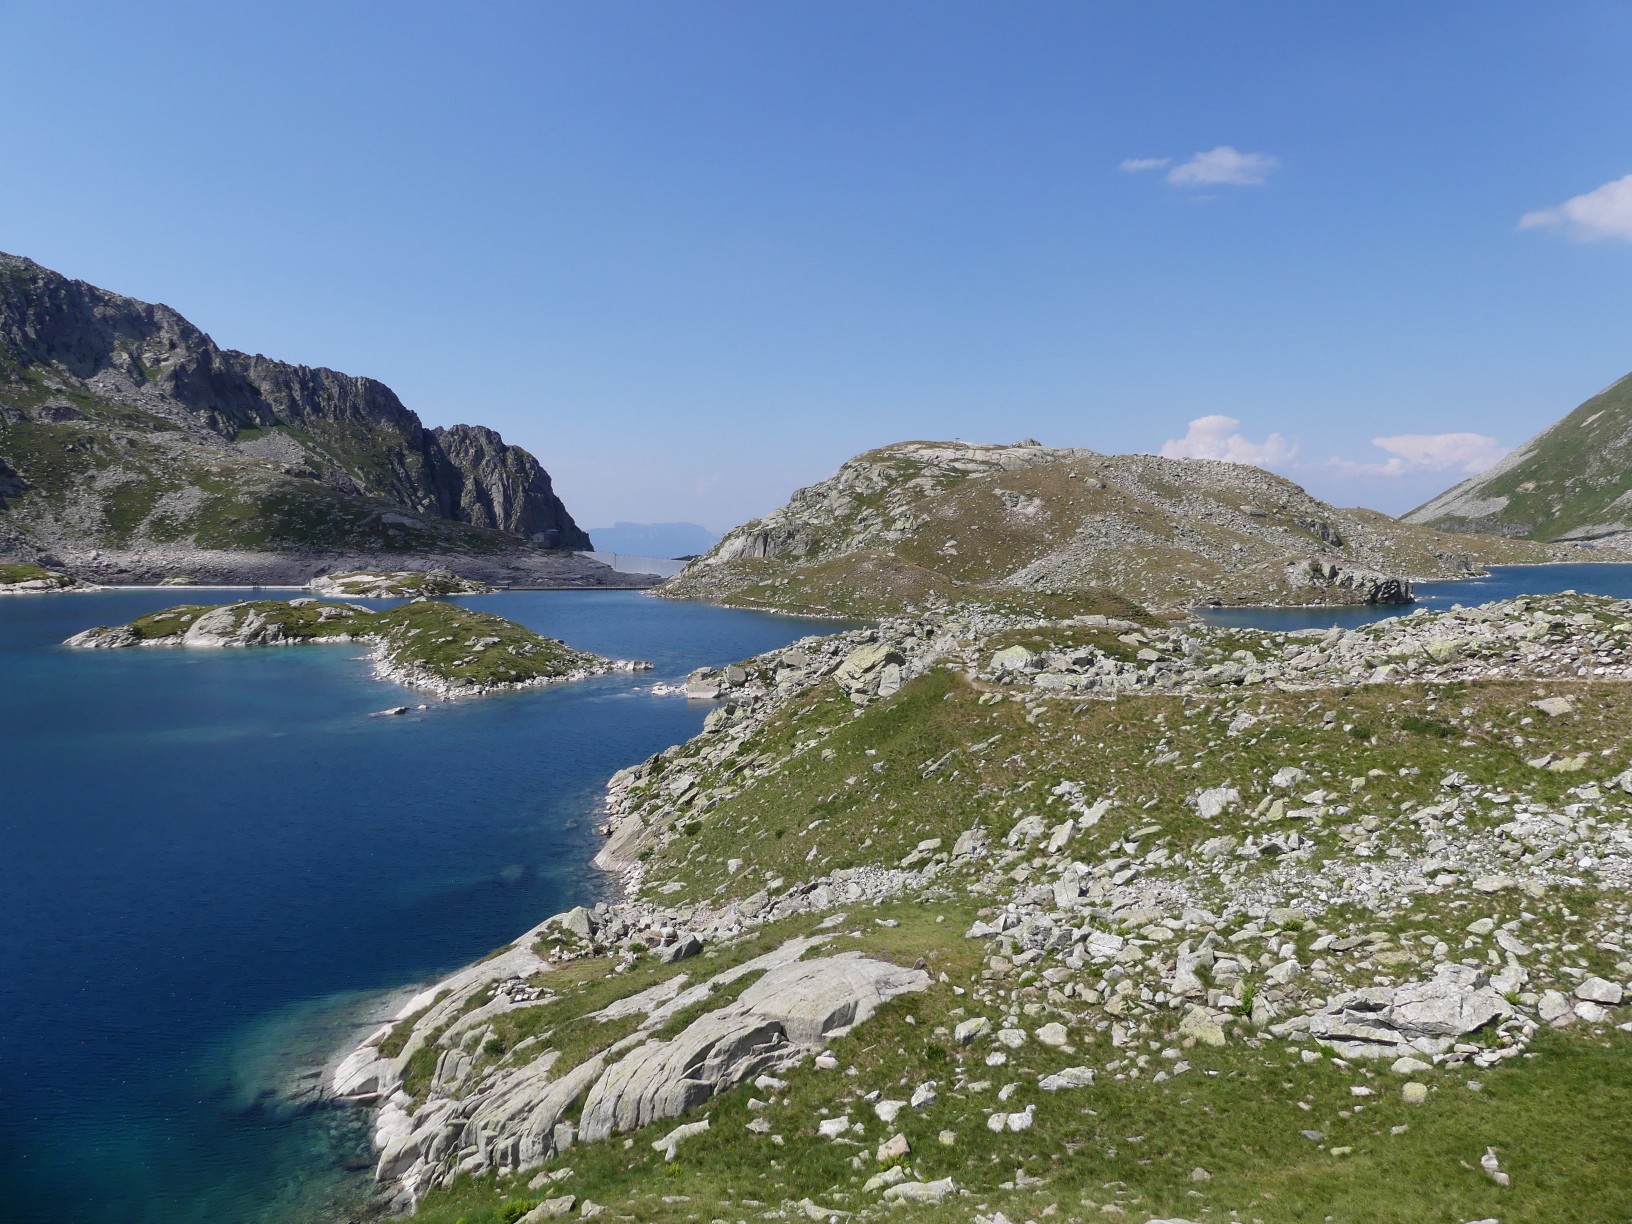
{"type": "Point", "coordinates": [1224, 166]}
{"type": "Point", "coordinates": [1218, 437]}
{"type": "Point", "coordinates": [1469, 453]}
{"type": "Point", "coordinates": [1604, 212]}
{"type": "Point", "coordinates": [1133, 165]}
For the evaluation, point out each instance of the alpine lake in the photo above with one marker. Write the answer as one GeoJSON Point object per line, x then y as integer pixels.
{"type": "Point", "coordinates": [221, 872]}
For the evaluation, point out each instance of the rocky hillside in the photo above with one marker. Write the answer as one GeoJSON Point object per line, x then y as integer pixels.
{"type": "Point", "coordinates": [1572, 481]}
{"type": "Point", "coordinates": [1013, 525]}
{"type": "Point", "coordinates": [126, 431]}
{"type": "Point", "coordinates": [986, 918]}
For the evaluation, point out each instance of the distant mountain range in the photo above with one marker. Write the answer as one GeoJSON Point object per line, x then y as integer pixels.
{"type": "Point", "coordinates": [1572, 481]}
{"type": "Point", "coordinates": [128, 438]}
{"type": "Point", "coordinates": [655, 539]}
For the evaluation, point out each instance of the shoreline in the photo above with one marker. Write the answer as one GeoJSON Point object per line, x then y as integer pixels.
{"type": "Point", "coordinates": [1197, 609]}
{"type": "Point", "coordinates": [424, 1143]}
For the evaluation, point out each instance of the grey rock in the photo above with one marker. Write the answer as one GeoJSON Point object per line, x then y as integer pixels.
{"type": "Point", "coordinates": [1387, 1022]}
{"type": "Point", "coordinates": [1597, 990]}
{"type": "Point", "coordinates": [780, 1018]}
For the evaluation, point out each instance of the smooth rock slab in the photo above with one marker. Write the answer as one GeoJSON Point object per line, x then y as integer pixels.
{"type": "Point", "coordinates": [786, 1014]}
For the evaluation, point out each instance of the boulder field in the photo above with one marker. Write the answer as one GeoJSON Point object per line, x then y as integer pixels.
{"type": "Point", "coordinates": [969, 916]}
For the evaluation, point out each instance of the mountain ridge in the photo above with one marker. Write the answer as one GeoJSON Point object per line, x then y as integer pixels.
{"type": "Point", "coordinates": [125, 428]}
{"type": "Point", "coordinates": [1572, 481]}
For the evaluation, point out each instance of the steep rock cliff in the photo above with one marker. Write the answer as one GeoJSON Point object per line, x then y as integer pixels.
{"type": "Point", "coordinates": [130, 425]}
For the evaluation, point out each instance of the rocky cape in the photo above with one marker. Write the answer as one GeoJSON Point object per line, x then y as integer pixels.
{"type": "Point", "coordinates": [897, 925]}
{"type": "Point", "coordinates": [132, 446]}
{"type": "Point", "coordinates": [424, 644]}
{"type": "Point", "coordinates": [1032, 527]}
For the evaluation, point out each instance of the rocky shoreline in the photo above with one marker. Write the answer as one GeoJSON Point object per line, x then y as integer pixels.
{"type": "Point", "coordinates": [1230, 935]}
{"type": "Point", "coordinates": [152, 565]}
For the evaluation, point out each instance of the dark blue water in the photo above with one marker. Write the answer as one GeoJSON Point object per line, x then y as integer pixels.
{"type": "Point", "coordinates": [216, 865]}
{"type": "Point", "coordinates": [1504, 582]}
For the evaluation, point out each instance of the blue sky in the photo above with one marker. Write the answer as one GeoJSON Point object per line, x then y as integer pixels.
{"type": "Point", "coordinates": [695, 255]}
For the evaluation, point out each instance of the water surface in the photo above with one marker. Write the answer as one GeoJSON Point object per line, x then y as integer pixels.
{"type": "Point", "coordinates": [217, 866]}
{"type": "Point", "coordinates": [1503, 582]}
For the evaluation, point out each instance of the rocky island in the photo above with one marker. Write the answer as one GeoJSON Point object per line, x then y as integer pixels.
{"type": "Point", "coordinates": [425, 644]}
{"type": "Point", "coordinates": [36, 580]}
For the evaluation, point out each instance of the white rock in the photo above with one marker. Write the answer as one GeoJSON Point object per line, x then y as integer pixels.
{"type": "Point", "coordinates": [1213, 803]}
{"type": "Point", "coordinates": [886, 1111]}
{"type": "Point", "coordinates": [921, 1192]}
{"type": "Point", "coordinates": [1070, 1077]}
{"type": "Point", "coordinates": [1597, 990]}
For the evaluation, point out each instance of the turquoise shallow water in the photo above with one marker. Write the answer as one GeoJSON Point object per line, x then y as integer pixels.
{"type": "Point", "coordinates": [218, 868]}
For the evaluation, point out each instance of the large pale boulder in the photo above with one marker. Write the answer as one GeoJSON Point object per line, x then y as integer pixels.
{"type": "Point", "coordinates": [1429, 1016]}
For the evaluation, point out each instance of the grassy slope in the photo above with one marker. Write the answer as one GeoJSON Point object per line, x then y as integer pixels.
{"type": "Point", "coordinates": [859, 792]}
{"type": "Point", "coordinates": [1576, 473]}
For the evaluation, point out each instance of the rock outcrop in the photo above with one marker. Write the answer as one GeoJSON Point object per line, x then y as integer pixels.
{"type": "Point", "coordinates": [787, 1014]}
{"type": "Point", "coordinates": [1422, 1018]}
{"type": "Point", "coordinates": [517, 1119]}
{"type": "Point", "coordinates": [503, 487]}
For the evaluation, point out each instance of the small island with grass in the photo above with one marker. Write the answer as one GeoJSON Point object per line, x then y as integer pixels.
{"type": "Point", "coordinates": [425, 644]}
{"type": "Point", "coordinates": [395, 584]}
{"type": "Point", "coordinates": [22, 579]}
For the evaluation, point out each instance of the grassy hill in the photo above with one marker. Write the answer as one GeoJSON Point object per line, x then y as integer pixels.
{"type": "Point", "coordinates": [907, 524]}
{"type": "Point", "coordinates": [1572, 481]}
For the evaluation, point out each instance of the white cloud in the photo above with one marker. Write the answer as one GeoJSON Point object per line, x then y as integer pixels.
{"type": "Point", "coordinates": [1605, 212]}
{"type": "Point", "coordinates": [1133, 165]}
{"type": "Point", "coordinates": [1224, 166]}
{"type": "Point", "coordinates": [1216, 437]}
{"type": "Point", "coordinates": [1469, 453]}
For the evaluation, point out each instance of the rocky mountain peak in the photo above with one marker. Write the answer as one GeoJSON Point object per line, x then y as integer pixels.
{"type": "Point", "coordinates": [80, 360]}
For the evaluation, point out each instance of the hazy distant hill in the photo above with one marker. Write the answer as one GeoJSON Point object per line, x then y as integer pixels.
{"type": "Point", "coordinates": [655, 539]}
{"type": "Point", "coordinates": [917, 520]}
{"type": "Point", "coordinates": [1572, 481]}
{"type": "Point", "coordinates": [126, 430]}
